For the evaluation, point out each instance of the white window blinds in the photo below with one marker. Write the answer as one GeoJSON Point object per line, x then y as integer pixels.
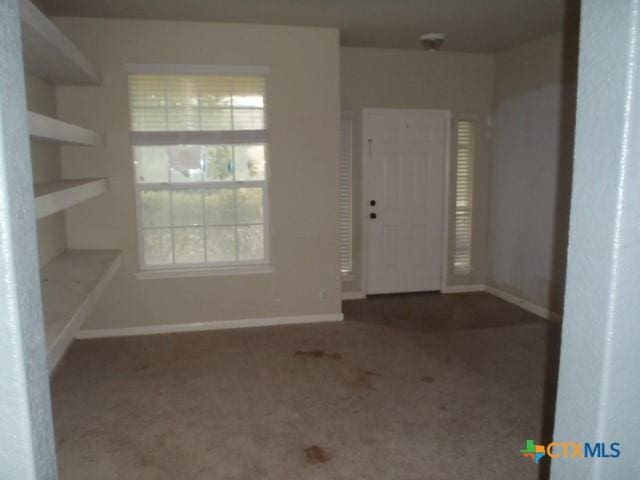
{"type": "Point", "coordinates": [229, 107]}
{"type": "Point", "coordinates": [346, 200]}
{"type": "Point", "coordinates": [465, 156]}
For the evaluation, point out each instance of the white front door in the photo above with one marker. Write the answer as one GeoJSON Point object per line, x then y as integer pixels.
{"type": "Point", "coordinates": [404, 154]}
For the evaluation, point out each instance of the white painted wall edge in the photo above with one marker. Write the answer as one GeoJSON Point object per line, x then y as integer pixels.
{"type": "Point", "coordinates": [353, 295]}
{"type": "Point", "coordinates": [203, 326]}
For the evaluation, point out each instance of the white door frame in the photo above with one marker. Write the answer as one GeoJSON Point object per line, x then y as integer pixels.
{"type": "Point", "coordinates": [446, 115]}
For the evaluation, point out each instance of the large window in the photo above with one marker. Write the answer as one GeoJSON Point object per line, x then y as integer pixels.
{"type": "Point", "coordinates": [465, 157]}
{"type": "Point", "coordinates": [199, 147]}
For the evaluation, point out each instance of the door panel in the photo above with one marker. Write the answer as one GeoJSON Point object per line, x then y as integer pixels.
{"type": "Point", "coordinates": [389, 244]}
{"type": "Point", "coordinates": [405, 177]}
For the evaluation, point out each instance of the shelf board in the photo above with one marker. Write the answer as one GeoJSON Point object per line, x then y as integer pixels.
{"type": "Point", "coordinates": [71, 286]}
{"type": "Point", "coordinates": [56, 196]}
{"type": "Point", "coordinates": [49, 129]}
{"type": "Point", "coordinates": [49, 54]}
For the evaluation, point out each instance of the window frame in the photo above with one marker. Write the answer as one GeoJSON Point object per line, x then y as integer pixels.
{"type": "Point", "coordinates": [230, 137]}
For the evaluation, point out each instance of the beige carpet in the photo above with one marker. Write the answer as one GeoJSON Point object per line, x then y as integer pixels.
{"type": "Point", "coordinates": [350, 400]}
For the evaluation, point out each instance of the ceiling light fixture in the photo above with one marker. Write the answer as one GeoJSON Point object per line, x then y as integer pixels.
{"type": "Point", "coordinates": [432, 41]}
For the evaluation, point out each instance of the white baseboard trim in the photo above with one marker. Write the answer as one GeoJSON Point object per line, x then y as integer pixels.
{"type": "Point", "coordinates": [524, 304]}
{"type": "Point", "coordinates": [464, 288]}
{"type": "Point", "coordinates": [353, 295]}
{"type": "Point", "coordinates": [203, 326]}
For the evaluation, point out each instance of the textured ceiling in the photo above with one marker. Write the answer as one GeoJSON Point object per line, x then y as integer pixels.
{"type": "Point", "coordinates": [470, 25]}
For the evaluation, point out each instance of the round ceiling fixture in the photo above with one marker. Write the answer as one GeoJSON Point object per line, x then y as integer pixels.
{"type": "Point", "coordinates": [432, 41]}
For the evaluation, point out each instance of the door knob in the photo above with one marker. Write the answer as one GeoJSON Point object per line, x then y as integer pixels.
{"type": "Point", "coordinates": [373, 215]}
{"type": "Point", "coordinates": [372, 203]}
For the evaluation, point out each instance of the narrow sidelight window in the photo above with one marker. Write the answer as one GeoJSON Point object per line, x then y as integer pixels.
{"type": "Point", "coordinates": [465, 157]}
{"type": "Point", "coordinates": [346, 195]}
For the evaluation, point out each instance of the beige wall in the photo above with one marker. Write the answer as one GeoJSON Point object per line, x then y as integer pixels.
{"type": "Point", "coordinates": [532, 148]}
{"type": "Point", "coordinates": [460, 82]}
{"type": "Point", "coordinates": [303, 115]}
{"type": "Point", "coordinates": [45, 164]}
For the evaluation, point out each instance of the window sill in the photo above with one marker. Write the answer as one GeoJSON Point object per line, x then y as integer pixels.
{"type": "Point", "coordinates": [205, 272]}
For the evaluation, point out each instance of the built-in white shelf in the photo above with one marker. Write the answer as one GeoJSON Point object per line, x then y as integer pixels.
{"type": "Point", "coordinates": [57, 196]}
{"type": "Point", "coordinates": [71, 286]}
{"type": "Point", "coordinates": [49, 129]}
{"type": "Point", "coordinates": [49, 54]}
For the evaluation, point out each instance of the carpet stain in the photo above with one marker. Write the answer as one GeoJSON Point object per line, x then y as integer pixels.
{"type": "Point", "coordinates": [318, 354]}
{"type": "Point", "coordinates": [428, 379]}
{"type": "Point", "coordinates": [371, 373]}
{"type": "Point", "coordinates": [315, 454]}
